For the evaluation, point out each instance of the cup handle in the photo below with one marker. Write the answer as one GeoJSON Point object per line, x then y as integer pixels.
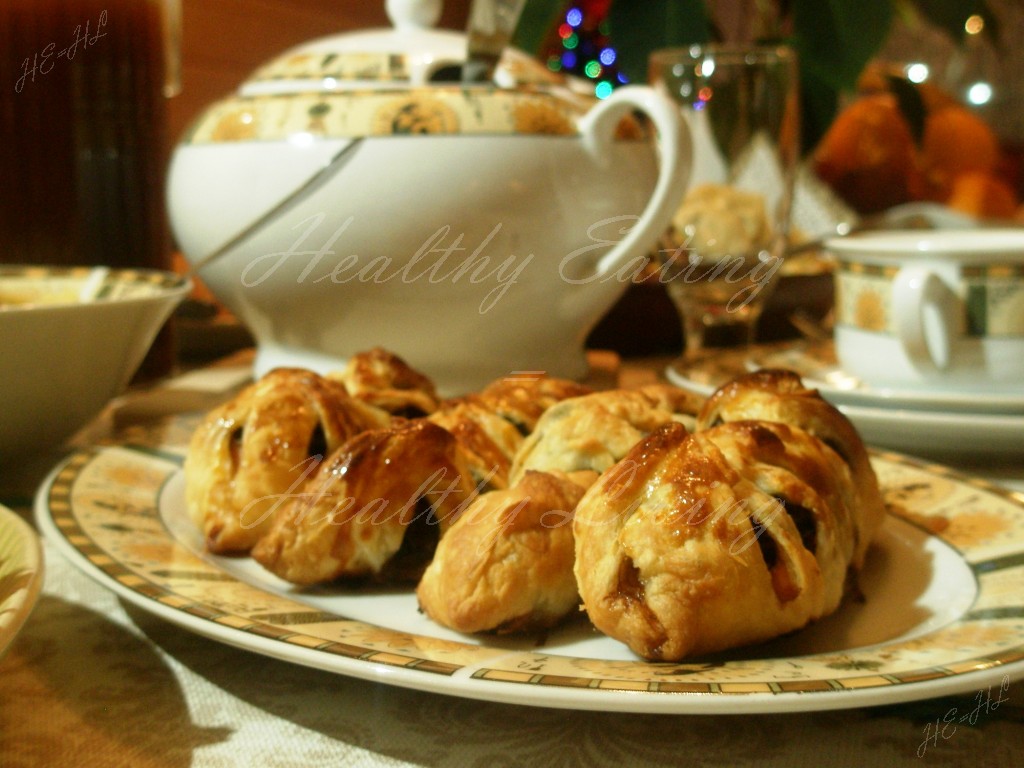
{"type": "Point", "coordinates": [598, 128]}
{"type": "Point", "coordinates": [917, 292]}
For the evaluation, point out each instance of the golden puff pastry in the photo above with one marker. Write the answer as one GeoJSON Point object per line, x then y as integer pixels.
{"type": "Point", "coordinates": [488, 441]}
{"type": "Point", "coordinates": [594, 431]}
{"type": "Point", "coordinates": [252, 452]}
{"type": "Point", "coordinates": [490, 424]}
{"type": "Point", "coordinates": [780, 395]}
{"type": "Point", "coordinates": [522, 398]}
{"type": "Point", "coordinates": [385, 380]}
{"type": "Point", "coordinates": [700, 542]}
{"type": "Point", "coordinates": [506, 565]}
{"type": "Point", "coordinates": [375, 507]}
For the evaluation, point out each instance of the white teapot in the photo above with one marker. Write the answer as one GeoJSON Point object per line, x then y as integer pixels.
{"type": "Point", "coordinates": [344, 199]}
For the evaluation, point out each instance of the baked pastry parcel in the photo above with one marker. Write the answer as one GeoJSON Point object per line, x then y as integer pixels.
{"type": "Point", "coordinates": [379, 504]}
{"type": "Point", "coordinates": [507, 564]}
{"type": "Point", "coordinates": [384, 379]}
{"type": "Point", "coordinates": [737, 533]}
{"type": "Point", "coordinates": [594, 431]}
{"type": "Point", "coordinates": [681, 526]}
{"type": "Point", "coordinates": [248, 455]}
{"type": "Point", "coordinates": [376, 506]}
{"type": "Point", "coordinates": [365, 467]}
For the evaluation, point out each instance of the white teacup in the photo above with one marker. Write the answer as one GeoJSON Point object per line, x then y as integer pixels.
{"type": "Point", "coordinates": [941, 309]}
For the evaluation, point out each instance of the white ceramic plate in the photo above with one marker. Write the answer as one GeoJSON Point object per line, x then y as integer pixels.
{"type": "Point", "coordinates": [817, 365]}
{"type": "Point", "coordinates": [943, 612]}
{"type": "Point", "coordinates": [932, 434]}
{"type": "Point", "coordinates": [21, 575]}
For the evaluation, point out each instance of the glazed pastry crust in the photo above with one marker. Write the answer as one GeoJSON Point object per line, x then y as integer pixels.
{"type": "Point", "coordinates": [778, 395]}
{"type": "Point", "coordinates": [686, 546]}
{"type": "Point", "coordinates": [386, 381]}
{"type": "Point", "coordinates": [487, 440]}
{"type": "Point", "coordinates": [594, 431]}
{"type": "Point", "coordinates": [523, 398]}
{"type": "Point", "coordinates": [489, 425]}
{"type": "Point", "coordinates": [361, 504]}
{"type": "Point", "coordinates": [506, 565]}
{"type": "Point", "coordinates": [249, 454]}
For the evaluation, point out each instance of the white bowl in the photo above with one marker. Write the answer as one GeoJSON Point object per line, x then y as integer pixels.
{"type": "Point", "coordinates": [63, 357]}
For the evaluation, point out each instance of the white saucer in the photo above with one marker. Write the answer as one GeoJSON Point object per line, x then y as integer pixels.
{"type": "Point", "coordinates": [817, 366]}
{"type": "Point", "coordinates": [935, 434]}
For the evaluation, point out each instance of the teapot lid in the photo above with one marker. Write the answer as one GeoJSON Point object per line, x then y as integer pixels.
{"type": "Point", "coordinates": [410, 54]}
{"type": "Point", "coordinates": [395, 81]}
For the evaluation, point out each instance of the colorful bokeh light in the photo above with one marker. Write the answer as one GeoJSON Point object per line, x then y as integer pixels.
{"type": "Point", "coordinates": [584, 47]}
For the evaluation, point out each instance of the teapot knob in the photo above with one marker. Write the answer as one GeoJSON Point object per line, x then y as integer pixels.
{"type": "Point", "coordinates": [414, 14]}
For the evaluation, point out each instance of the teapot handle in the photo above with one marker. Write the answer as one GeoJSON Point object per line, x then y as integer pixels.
{"type": "Point", "coordinates": [598, 128]}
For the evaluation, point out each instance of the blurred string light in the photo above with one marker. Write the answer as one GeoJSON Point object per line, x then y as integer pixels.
{"type": "Point", "coordinates": [979, 93]}
{"type": "Point", "coordinates": [584, 48]}
{"type": "Point", "coordinates": [917, 72]}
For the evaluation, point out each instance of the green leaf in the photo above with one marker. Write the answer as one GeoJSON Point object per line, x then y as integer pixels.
{"type": "Point", "coordinates": [836, 38]}
{"type": "Point", "coordinates": [818, 105]}
{"type": "Point", "coordinates": [638, 27]}
{"type": "Point", "coordinates": [536, 21]}
{"type": "Point", "coordinates": [910, 104]}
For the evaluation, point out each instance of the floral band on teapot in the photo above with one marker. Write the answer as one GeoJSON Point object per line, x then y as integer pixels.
{"type": "Point", "coordinates": [434, 110]}
{"type": "Point", "coordinates": [350, 66]}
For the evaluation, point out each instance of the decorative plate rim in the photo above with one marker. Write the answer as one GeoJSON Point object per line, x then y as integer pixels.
{"type": "Point", "coordinates": [499, 674]}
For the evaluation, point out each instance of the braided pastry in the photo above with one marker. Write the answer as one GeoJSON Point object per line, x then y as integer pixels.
{"type": "Point", "coordinates": [250, 453]}
{"type": "Point", "coordinates": [734, 534]}
{"type": "Point", "coordinates": [780, 395]}
{"type": "Point", "coordinates": [375, 507]}
{"type": "Point", "coordinates": [507, 564]}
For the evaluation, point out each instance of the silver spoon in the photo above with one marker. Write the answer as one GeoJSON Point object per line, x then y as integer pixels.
{"type": "Point", "coordinates": [489, 30]}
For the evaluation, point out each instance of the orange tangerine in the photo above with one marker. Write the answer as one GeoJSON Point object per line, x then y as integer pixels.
{"type": "Point", "coordinates": [982, 194]}
{"type": "Point", "coordinates": [868, 154]}
{"type": "Point", "coordinates": [955, 142]}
